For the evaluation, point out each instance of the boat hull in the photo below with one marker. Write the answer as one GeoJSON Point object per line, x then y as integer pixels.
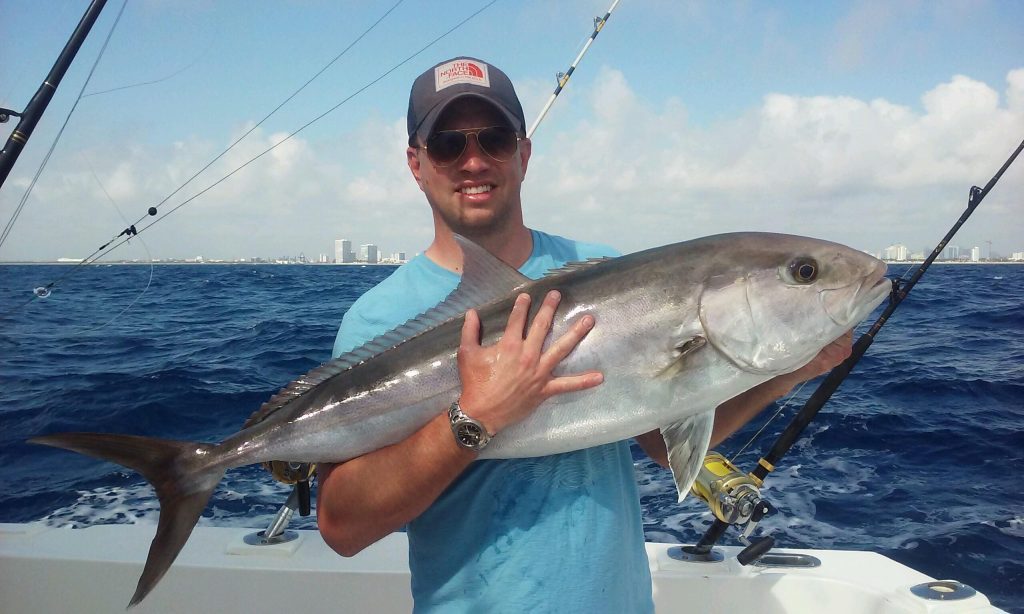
{"type": "Point", "coordinates": [44, 569]}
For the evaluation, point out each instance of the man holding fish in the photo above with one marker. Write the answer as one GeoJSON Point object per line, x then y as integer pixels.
{"type": "Point", "coordinates": [497, 438]}
{"type": "Point", "coordinates": [555, 532]}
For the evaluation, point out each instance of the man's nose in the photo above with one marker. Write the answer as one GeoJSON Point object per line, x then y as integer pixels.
{"type": "Point", "coordinates": [474, 158]}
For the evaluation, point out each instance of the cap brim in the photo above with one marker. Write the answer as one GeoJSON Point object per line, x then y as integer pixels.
{"type": "Point", "coordinates": [427, 125]}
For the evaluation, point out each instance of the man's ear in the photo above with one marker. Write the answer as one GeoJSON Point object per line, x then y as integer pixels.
{"type": "Point", "coordinates": [525, 149]}
{"type": "Point", "coordinates": [413, 159]}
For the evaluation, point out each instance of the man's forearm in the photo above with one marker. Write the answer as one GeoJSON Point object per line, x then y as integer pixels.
{"type": "Point", "coordinates": [364, 499]}
{"type": "Point", "coordinates": [729, 416]}
{"type": "Point", "coordinates": [737, 411]}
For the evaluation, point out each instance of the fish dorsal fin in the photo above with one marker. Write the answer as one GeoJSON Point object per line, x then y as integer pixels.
{"type": "Point", "coordinates": [687, 442]}
{"type": "Point", "coordinates": [577, 265]}
{"type": "Point", "coordinates": [485, 278]}
{"type": "Point", "coordinates": [301, 385]}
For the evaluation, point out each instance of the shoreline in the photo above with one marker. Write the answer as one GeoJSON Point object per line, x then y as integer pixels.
{"type": "Point", "coordinates": [363, 264]}
{"type": "Point", "coordinates": [182, 263]}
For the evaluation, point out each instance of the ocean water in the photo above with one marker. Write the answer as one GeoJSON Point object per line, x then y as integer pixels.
{"type": "Point", "coordinates": [914, 457]}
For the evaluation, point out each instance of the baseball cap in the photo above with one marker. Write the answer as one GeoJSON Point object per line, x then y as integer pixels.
{"type": "Point", "coordinates": [457, 78]}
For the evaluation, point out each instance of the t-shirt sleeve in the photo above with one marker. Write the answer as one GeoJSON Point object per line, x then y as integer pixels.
{"type": "Point", "coordinates": [355, 330]}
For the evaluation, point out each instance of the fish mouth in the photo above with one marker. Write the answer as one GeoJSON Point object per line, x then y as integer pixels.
{"type": "Point", "coordinates": [867, 294]}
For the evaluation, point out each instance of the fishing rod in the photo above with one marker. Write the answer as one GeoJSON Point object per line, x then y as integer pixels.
{"type": "Point", "coordinates": [563, 77]}
{"type": "Point", "coordinates": [733, 495]}
{"type": "Point", "coordinates": [34, 111]}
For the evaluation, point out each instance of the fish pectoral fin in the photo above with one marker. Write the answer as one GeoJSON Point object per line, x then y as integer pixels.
{"type": "Point", "coordinates": [681, 353]}
{"type": "Point", "coordinates": [687, 442]}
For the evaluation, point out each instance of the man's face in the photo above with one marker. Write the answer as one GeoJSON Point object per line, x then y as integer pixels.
{"type": "Point", "coordinates": [475, 195]}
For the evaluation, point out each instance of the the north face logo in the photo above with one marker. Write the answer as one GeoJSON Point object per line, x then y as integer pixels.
{"type": "Point", "coordinates": [461, 71]}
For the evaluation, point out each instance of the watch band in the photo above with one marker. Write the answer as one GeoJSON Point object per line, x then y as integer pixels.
{"type": "Point", "coordinates": [469, 433]}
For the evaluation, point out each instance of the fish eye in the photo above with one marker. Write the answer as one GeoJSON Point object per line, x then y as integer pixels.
{"type": "Point", "coordinates": [804, 270]}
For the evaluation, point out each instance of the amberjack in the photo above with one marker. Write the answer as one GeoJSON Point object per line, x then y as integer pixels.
{"type": "Point", "coordinates": [679, 330]}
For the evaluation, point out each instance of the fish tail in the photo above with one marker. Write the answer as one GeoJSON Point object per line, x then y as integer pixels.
{"type": "Point", "coordinates": [179, 471]}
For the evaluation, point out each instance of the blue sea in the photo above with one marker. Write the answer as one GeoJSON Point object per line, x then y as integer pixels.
{"type": "Point", "coordinates": [915, 456]}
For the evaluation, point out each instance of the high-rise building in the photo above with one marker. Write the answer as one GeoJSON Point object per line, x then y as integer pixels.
{"type": "Point", "coordinates": [343, 251]}
{"type": "Point", "coordinates": [975, 254]}
{"type": "Point", "coordinates": [897, 252]}
{"type": "Point", "coordinates": [952, 252]}
{"type": "Point", "coordinates": [368, 253]}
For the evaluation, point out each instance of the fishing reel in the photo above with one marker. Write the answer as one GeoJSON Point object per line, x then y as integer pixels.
{"type": "Point", "coordinates": [299, 474]}
{"type": "Point", "coordinates": [287, 472]}
{"type": "Point", "coordinates": [733, 496]}
{"type": "Point", "coordinates": [290, 472]}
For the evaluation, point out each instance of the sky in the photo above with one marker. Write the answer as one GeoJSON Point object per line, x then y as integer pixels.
{"type": "Point", "coordinates": [864, 123]}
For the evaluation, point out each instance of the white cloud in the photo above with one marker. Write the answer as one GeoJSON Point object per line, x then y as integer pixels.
{"type": "Point", "coordinates": [835, 167]}
{"type": "Point", "coordinates": [611, 166]}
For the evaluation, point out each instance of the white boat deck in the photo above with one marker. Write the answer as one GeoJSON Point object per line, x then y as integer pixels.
{"type": "Point", "coordinates": [44, 569]}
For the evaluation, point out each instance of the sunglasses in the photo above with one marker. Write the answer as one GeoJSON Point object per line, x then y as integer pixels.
{"type": "Point", "coordinates": [445, 147]}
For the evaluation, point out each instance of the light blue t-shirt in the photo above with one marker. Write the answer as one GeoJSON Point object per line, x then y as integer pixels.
{"type": "Point", "coordinates": [559, 533]}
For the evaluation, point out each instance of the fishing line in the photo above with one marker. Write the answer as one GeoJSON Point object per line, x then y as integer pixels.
{"type": "Point", "coordinates": [152, 211]}
{"type": "Point", "coordinates": [144, 246]}
{"type": "Point", "coordinates": [24, 199]}
{"type": "Point", "coordinates": [196, 60]}
{"type": "Point", "coordinates": [132, 230]}
{"type": "Point", "coordinates": [755, 436]}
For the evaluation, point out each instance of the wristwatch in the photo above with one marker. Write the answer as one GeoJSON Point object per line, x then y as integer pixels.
{"type": "Point", "coordinates": [469, 433]}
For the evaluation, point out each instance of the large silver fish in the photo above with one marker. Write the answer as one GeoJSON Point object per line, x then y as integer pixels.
{"type": "Point", "coordinates": [679, 330]}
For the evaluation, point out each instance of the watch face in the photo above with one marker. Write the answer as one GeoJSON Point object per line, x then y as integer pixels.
{"type": "Point", "coordinates": [469, 434]}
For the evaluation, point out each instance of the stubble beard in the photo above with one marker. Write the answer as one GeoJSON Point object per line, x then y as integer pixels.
{"type": "Point", "coordinates": [501, 221]}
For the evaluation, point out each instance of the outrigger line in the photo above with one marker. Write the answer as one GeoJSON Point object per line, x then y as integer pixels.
{"type": "Point", "coordinates": [137, 228]}
{"type": "Point", "coordinates": [563, 77]}
{"type": "Point", "coordinates": [824, 392]}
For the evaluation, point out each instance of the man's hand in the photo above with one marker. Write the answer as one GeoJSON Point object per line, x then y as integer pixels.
{"type": "Point", "coordinates": [830, 356]}
{"type": "Point", "coordinates": [503, 383]}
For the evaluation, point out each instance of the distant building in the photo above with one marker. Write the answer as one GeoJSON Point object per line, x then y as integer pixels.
{"type": "Point", "coordinates": [400, 256]}
{"type": "Point", "coordinates": [368, 253]}
{"type": "Point", "coordinates": [1017, 256]}
{"type": "Point", "coordinates": [952, 252]}
{"type": "Point", "coordinates": [897, 252]}
{"type": "Point", "coordinates": [343, 251]}
{"type": "Point", "coordinates": [975, 254]}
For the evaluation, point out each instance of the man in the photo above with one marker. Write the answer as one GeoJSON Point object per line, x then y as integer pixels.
{"type": "Point", "coordinates": [557, 533]}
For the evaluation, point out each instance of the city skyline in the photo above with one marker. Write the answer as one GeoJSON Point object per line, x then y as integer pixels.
{"type": "Point", "coordinates": [343, 253]}
{"type": "Point", "coordinates": [899, 252]}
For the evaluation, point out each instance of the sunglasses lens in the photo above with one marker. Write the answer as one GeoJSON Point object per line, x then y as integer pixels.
{"type": "Point", "coordinates": [446, 146]}
{"type": "Point", "coordinates": [498, 142]}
